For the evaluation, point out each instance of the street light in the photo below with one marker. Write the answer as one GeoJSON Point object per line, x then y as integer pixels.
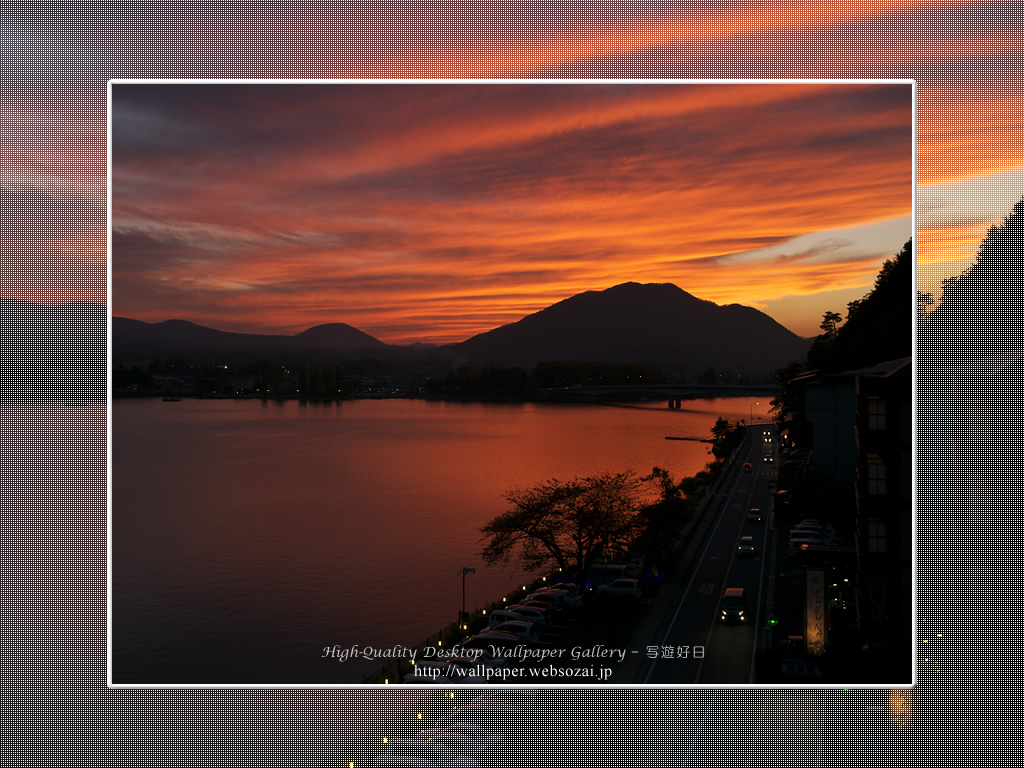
{"type": "Point", "coordinates": [464, 616]}
{"type": "Point", "coordinates": [752, 410]}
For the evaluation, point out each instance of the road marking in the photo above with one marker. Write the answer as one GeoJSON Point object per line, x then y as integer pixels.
{"type": "Point", "coordinates": [707, 588]}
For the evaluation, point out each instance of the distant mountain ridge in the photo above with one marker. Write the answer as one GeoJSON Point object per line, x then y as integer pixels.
{"type": "Point", "coordinates": [134, 339]}
{"type": "Point", "coordinates": [656, 324]}
{"type": "Point", "coordinates": [53, 352]}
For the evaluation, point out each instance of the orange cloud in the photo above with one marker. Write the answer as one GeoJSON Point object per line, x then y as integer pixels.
{"type": "Point", "coordinates": [436, 212]}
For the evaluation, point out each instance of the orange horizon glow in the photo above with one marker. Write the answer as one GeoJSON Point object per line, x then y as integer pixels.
{"type": "Point", "coordinates": [435, 212]}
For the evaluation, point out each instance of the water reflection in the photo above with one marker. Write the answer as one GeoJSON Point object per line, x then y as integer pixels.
{"type": "Point", "coordinates": [249, 536]}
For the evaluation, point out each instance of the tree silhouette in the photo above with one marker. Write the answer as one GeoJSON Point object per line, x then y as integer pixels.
{"type": "Point", "coordinates": [981, 309]}
{"type": "Point", "coordinates": [830, 323]}
{"type": "Point", "coordinates": [721, 429]}
{"type": "Point", "coordinates": [924, 300]}
{"type": "Point", "coordinates": [878, 327]}
{"type": "Point", "coordinates": [565, 524]}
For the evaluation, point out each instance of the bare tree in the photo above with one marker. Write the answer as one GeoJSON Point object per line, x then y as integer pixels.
{"type": "Point", "coordinates": [565, 524]}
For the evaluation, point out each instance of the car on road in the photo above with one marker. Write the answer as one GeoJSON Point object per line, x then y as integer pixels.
{"type": "Point", "coordinates": [747, 467]}
{"type": "Point", "coordinates": [733, 606]}
{"type": "Point", "coordinates": [768, 457]}
{"type": "Point", "coordinates": [754, 514]}
{"type": "Point", "coordinates": [621, 588]}
{"type": "Point", "coordinates": [746, 546]}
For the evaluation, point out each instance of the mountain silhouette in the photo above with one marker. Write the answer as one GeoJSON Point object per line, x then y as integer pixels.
{"type": "Point", "coordinates": [53, 352]}
{"type": "Point", "coordinates": [136, 340]}
{"type": "Point", "coordinates": [647, 324]}
{"type": "Point", "coordinates": [651, 324]}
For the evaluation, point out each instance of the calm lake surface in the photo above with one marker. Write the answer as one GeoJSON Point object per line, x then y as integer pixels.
{"type": "Point", "coordinates": [248, 536]}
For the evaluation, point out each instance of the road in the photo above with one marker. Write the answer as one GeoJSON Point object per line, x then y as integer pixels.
{"type": "Point", "coordinates": [683, 711]}
{"type": "Point", "coordinates": [682, 642]}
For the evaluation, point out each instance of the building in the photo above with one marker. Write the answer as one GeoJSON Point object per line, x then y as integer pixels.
{"type": "Point", "coordinates": [884, 502]}
{"type": "Point", "coordinates": [859, 426]}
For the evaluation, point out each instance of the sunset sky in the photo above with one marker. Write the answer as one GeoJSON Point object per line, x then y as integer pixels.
{"type": "Point", "coordinates": [434, 211]}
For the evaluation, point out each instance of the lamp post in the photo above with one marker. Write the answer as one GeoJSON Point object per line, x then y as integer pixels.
{"type": "Point", "coordinates": [465, 570]}
{"type": "Point", "coordinates": [752, 410]}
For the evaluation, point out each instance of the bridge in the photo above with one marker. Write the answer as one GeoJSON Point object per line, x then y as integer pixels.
{"type": "Point", "coordinates": [673, 393]}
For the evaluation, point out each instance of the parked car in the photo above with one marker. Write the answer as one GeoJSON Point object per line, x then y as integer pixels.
{"type": "Point", "coordinates": [754, 514]}
{"type": "Point", "coordinates": [801, 669]}
{"type": "Point", "coordinates": [554, 598]}
{"type": "Point", "coordinates": [498, 718]}
{"type": "Point", "coordinates": [474, 731]}
{"type": "Point", "coordinates": [801, 537]}
{"type": "Point", "coordinates": [814, 526]}
{"type": "Point", "coordinates": [568, 586]}
{"type": "Point", "coordinates": [435, 669]}
{"type": "Point", "coordinates": [499, 617]}
{"type": "Point", "coordinates": [422, 749]}
{"type": "Point", "coordinates": [810, 537]}
{"type": "Point", "coordinates": [454, 670]}
{"type": "Point", "coordinates": [800, 544]}
{"type": "Point", "coordinates": [813, 523]}
{"type": "Point", "coordinates": [493, 638]}
{"type": "Point", "coordinates": [804, 547]}
{"type": "Point", "coordinates": [606, 573]}
{"type": "Point", "coordinates": [570, 600]}
{"type": "Point", "coordinates": [456, 741]}
{"type": "Point", "coordinates": [414, 679]}
{"type": "Point", "coordinates": [820, 532]}
{"type": "Point", "coordinates": [621, 588]}
{"type": "Point", "coordinates": [524, 630]}
{"type": "Point", "coordinates": [746, 546]}
{"type": "Point", "coordinates": [403, 761]}
{"type": "Point", "coordinates": [520, 696]}
{"type": "Point", "coordinates": [467, 668]}
{"type": "Point", "coordinates": [534, 613]}
{"type": "Point", "coordinates": [553, 613]}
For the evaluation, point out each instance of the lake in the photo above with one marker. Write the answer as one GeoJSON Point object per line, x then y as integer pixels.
{"type": "Point", "coordinates": [248, 536]}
